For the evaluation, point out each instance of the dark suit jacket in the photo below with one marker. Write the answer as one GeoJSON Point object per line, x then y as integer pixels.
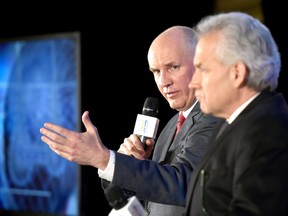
{"type": "Point", "coordinates": [245, 171]}
{"type": "Point", "coordinates": [152, 179]}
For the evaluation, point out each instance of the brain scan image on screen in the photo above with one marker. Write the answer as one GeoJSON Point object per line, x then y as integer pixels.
{"type": "Point", "coordinates": [39, 82]}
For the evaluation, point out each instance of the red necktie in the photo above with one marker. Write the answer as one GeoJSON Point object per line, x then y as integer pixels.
{"type": "Point", "coordinates": [180, 121]}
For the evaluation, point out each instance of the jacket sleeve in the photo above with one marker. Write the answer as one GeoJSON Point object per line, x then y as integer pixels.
{"type": "Point", "coordinates": [165, 183]}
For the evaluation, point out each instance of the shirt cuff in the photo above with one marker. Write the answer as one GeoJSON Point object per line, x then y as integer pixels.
{"type": "Point", "coordinates": [108, 172]}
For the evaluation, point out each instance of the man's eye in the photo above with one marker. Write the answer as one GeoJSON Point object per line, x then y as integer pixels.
{"type": "Point", "coordinates": [174, 68]}
{"type": "Point", "coordinates": [200, 69]}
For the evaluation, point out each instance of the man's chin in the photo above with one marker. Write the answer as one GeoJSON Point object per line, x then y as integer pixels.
{"type": "Point", "coordinates": [204, 108]}
{"type": "Point", "coordinates": [173, 105]}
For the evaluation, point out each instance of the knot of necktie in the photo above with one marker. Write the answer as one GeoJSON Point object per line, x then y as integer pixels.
{"type": "Point", "coordinates": [180, 121]}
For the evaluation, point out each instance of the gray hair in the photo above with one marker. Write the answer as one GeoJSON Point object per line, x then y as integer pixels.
{"type": "Point", "coordinates": [190, 36]}
{"type": "Point", "coordinates": [245, 39]}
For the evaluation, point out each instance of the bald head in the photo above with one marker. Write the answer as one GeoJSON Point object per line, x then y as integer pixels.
{"type": "Point", "coordinates": [170, 59]}
{"type": "Point", "coordinates": [181, 37]}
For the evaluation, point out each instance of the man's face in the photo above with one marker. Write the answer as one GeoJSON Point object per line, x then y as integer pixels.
{"type": "Point", "coordinates": [172, 67]}
{"type": "Point", "coordinates": [212, 79]}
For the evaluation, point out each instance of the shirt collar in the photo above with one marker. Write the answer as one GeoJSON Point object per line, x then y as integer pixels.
{"type": "Point", "coordinates": [186, 112]}
{"type": "Point", "coordinates": [240, 109]}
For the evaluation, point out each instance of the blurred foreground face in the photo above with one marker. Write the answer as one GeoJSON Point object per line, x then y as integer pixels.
{"type": "Point", "coordinates": [212, 79]}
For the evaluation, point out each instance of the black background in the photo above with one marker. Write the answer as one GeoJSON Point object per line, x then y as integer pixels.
{"type": "Point", "coordinates": [115, 79]}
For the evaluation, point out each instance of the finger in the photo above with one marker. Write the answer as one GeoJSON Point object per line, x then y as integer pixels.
{"type": "Point", "coordinates": [129, 144]}
{"type": "Point", "coordinates": [87, 122]}
{"type": "Point", "coordinates": [149, 147]}
{"type": "Point", "coordinates": [150, 143]}
{"type": "Point", "coordinates": [52, 135]}
{"type": "Point", "coordinates": [137, 144]}
{"type": "Point", "coordinates": [56, 129]}
{"type": "Point", "coordinates": [124, 150]}
{"type": "Point", "coordinates": [56, 142]}
{"type": "Point", "coordinates": [137, 155]}
{"type": "Point", "coordinates": [62, 154]}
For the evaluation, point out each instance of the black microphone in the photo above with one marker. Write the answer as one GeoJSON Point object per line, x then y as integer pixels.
{"type": "Point", "coordinates": [146, 125]}
{"type": "Point", "coordinates": [120, 204]}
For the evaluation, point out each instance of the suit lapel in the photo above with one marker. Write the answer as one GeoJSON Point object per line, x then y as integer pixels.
{"type": "Point", "coordinates": [188, 123]}
{"type": "Point", "coordinates": [164, 140]}
{"type": "Point", "coordinates": [196, 172]}
{"type": "Point", "coordinates": [169, 135]}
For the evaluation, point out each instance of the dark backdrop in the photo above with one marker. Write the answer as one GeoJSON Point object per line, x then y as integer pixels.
{"type": "Point", "coordinates": [115, 76]}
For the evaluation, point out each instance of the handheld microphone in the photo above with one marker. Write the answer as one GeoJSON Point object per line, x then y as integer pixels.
{"type": "Point", "coordinates": [120, 204]}
{"type": "Point", "coordinates": [146, 125]}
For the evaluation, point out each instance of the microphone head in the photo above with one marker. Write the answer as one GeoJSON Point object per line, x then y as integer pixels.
{"type": "Point", "coordinates": [115, 196]}
{"type": "Point", "coordinates": [151, 107]}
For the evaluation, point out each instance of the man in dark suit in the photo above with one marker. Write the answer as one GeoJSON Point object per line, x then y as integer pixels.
{"type": "Point", "coordinates": [244, 171]}
{"type": "Point", "coordinates": [170, 59]}
{"type": "Point", "coordinates": [163, 179]}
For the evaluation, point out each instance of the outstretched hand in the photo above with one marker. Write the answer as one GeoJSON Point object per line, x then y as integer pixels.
{"type": "Point", "coordinates": [84, 148]}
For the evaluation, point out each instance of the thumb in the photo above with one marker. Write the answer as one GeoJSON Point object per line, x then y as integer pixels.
{"type": "Point", "coordinates": [87, 122]}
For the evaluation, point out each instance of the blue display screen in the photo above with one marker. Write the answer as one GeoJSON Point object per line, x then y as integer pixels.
{"type": "Point", "coordinates": [39, 82]}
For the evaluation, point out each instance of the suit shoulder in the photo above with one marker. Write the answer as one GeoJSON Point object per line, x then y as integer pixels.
{"type": "Point", "coordinates": [209, 118]}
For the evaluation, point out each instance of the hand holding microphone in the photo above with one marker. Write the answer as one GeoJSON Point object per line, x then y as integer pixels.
{"type": "Point", "coordinates": [146, 125]}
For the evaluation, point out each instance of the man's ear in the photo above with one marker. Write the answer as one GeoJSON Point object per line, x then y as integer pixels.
{"type": "Point", "coordinates": [240, 74]}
